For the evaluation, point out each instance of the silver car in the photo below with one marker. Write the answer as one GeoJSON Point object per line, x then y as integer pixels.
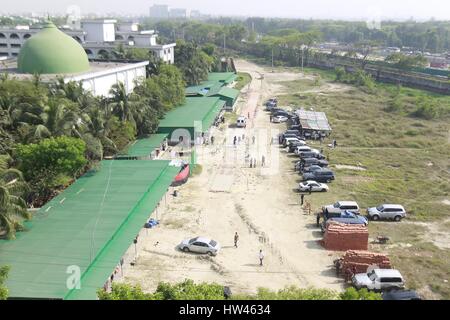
{"type": "Point", "coordinates": [378, 279]}
{"type": "Point", "coordinates": [200, 245]}
{"type": "Point", "coordinates": [387, 211]}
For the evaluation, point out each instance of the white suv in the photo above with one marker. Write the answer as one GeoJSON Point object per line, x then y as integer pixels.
{"type": "Point", "coordinates": [387, 211]}
{"type": "Point", "coordinates": [378, 279]}
{"type": "Point", "coordinates": [340, 207]}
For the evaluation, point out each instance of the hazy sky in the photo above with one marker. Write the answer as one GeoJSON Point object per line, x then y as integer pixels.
{"type": "Point", "coordinates": [338, 9]}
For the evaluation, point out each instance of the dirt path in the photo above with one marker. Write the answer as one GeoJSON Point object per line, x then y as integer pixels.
{"type": "Point", "coordinates": [229, 197]}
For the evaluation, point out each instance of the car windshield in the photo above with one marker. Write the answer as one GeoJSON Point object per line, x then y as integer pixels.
{"type": "Point", "coordinates": [212, 243]}
{"type": "Point", "coordinates": [336, 205]}
{"type": "Point", "coordinates": [193, 240]}
{"type": "Point", "coordinates": [380, 208]}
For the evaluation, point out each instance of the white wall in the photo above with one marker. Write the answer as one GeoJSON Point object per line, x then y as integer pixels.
{"type": "Point", "coordinates": [99, 32]}
{"type": "Point", "coordinates": [101, 85]}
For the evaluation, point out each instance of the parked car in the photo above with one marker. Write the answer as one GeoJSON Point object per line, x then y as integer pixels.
{"type": "Point", "coordinates": [311, 168]}
{"type": "Point", "coordinates": [314, 161]}
{"type": "Point", "coordinates": [275, 110]}
{"type": "Point", "coordinates": [379, 280]}
{"type": "Point", "coordinates": [313, 186]}
{"type": "Point", "coordinates": [347, 214]}
{"type": "Point", "coordinates": [200, 245]}
{"type": "Point", "coordinates": [241, 122]}
{"type": "Point", "coordinates": [400, 295]}
{"type": "Point", "coordinates": [324, 175]}
{"type": "Point", "coordinates": [279, 119]}
{"type": "Point", "coordinates": [387, 211]}
{"type": "Point", "coordinates": [288, 141]}
{"type": "Point", "coordinates": [341, 206]}
{"type": "Point", "coordinates": [281, 113]}
{"type": "Point", "coordinates": [346, 217]}
{"type": "Point", "coordinates": [295, 144]}
{"type": "Point", "coordinates": [299, 149]}
{"type": "Point", "coordinates": [311, 154]}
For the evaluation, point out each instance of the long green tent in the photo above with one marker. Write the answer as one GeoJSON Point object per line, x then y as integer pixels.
{"type": "Point", "coordinates": [199, 109]}
{"type": "Point", "coordinates": [143, 148]}
{"type": "Point", "coordinates": [88, 226]}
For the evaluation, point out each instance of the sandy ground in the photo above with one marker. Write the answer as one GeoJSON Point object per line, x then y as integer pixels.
{"type": "Point", "coordinates": [228, 197]}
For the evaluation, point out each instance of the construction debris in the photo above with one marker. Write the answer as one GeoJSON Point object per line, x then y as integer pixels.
{"type": "Point", "coordinates": [360, 261]}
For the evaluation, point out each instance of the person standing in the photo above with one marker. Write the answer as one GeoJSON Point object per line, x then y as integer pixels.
{"type": "Point", "coordinates": [263, 161]}
{"type": "Point", "coordinates": [302, 197]}
{"type": "Point", "coordinates": [212, 140]}
{"type": "Point", "coordinates": [253, 139]}
{"type": "Point", "coordinates": [234, 140]}
{"type": "Point", "coordinates": [261, 257]}
{"type": "Point", "coordinates": [236, 239]}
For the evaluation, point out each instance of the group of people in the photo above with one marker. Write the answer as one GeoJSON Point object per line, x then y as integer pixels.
{"type": "Point", "coordinates": [253, 162]}
{"type": "Point", "coordinates": [261, 254]}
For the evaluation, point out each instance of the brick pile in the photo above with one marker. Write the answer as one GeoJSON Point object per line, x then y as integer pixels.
{"type": "Point", "coordinates": [343, 237]}
{"type": "Point", "coordinates": [361, 260]}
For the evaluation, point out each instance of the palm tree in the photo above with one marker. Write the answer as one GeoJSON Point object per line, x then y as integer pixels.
{"type": "Point", "coordinates": [13, 207]}
{"type": "Point", "coordinates": [124, 105]}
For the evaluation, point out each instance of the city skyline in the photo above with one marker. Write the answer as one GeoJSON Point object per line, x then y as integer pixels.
{"type": "Point", "coordinates": [320, 9]}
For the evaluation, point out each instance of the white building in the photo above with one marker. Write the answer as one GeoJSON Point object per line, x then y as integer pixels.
{"type": "Point", "coordinates": [98, 38]}
{"type": "Point", "coordinates": [179, 13]}
{"type": "Point", "coordinates": [53, 55]}
{"type": "Point", "coordinates": [159, 11]}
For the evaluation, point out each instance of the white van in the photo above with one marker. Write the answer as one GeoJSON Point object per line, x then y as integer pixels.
{"type": "Point", "coordinates": [241, 122]}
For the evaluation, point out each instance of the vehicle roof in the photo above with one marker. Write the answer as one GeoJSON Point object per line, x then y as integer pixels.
{"type": "Point", "coordinates": [203, 239]}
{"type": "Point", "coordinates": [241, 118]}
{"type": "Point", "coordinates": [387, 273]}
{"type": "Point", "coordinates": [393, 206]}
{"type": "Point", "coordinates": [312, 181]}
{"type": "Point", "coordinates": [401, 295]}
{"type": "Point", "coordinates": [348, 203]}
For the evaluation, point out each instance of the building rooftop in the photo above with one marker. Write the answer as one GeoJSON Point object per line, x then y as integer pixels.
{"type": "Point", "coordinates": [51, 51]}
{"type": "Point", "coordinates": [10, 66]}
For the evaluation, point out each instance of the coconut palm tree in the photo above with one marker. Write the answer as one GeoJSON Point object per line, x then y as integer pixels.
{"type": "Point", "coordinates": [13, 207]}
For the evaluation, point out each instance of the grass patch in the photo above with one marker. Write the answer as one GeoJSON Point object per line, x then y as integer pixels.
{"type": "Point", "coordinates": [243, 79]}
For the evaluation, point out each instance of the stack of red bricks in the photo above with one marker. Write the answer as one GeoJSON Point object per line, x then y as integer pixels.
{"type": "Point", "coordinates": [343, 237]}
{"type": "Point", "coordinates": [361, 260]}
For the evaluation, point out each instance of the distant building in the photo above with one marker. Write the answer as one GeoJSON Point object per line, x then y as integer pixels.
{"type": "Point", "coordinates": [159, 11]}
{"type": "Point", "coordinates": [53, 54]}
{"type": "Point", "coordinates": [99, 38]}
{"type": "Point", "coordinates": [179, 13]}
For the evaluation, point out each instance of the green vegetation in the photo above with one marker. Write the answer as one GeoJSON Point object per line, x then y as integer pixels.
{"type": "Point", "coordinates": [193, 62]}
{"type": "Point", "coordinates": [51, 163]}
{"type": "Point", "coordinates": [403, 61]}
{"type": "Point", "coordinates": [242, 80]}
{"type": "Point", "coordinates": [3, 289]}
{"type": "Point", "coordinates": [12, 204]}
{"type": "Point", "coordinates": [188, 290]}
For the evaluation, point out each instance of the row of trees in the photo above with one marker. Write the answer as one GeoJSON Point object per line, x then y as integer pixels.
{"type": "Point", "coordinates": [188, 290]}
{"type": "Point", "coordinates": [433, 36]}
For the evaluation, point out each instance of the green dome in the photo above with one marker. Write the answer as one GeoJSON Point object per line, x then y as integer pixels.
{"type": "Point", "coordinates": [52, 51]}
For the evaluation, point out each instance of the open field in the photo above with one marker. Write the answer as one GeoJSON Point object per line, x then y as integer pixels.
{"type": "Point", "coordinates": [402, 159]}
{"type": "Point", "coordinates": [381, 157]}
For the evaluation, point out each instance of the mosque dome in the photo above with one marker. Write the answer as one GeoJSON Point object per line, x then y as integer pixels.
{"type": "Point", "coordinates": [51, 51]}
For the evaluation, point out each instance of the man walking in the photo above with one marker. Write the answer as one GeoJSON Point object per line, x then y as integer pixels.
{"type": "Point", "coordinates": [236, 239]}
{"type": "Point", "coordinates": [261, 257]}
{"type": "Point", "coordinates": [302, 197]}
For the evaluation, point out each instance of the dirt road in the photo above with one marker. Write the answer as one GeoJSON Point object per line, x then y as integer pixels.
{"type": "Point", "coordinates": [228, 197]}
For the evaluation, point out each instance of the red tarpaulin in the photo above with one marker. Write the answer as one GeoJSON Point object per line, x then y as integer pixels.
{"type": "Point", "coordinates": [182, 176]}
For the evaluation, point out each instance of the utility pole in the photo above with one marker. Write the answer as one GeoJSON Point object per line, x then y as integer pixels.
{"type": "Point", "coordinates": [224, 43]}
{"type": "Point", "coordinates": [272, 59]}
{"type": "Point", "coordinates": [302, 59]}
